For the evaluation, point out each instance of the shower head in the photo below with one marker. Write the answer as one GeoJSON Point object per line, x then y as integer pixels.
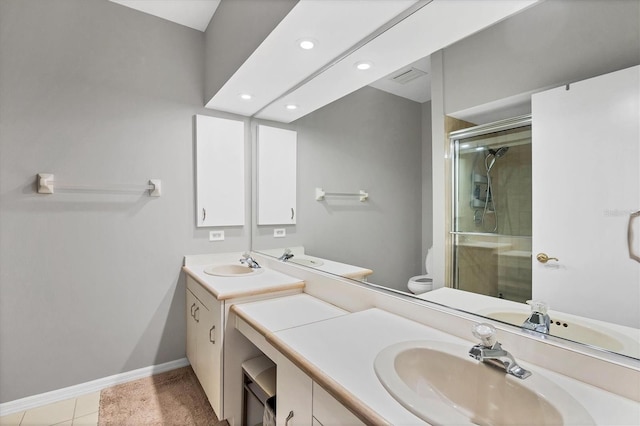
{"type": "Point", "coordinates": [495, 153]}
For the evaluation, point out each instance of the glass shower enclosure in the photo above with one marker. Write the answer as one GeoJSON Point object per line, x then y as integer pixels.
{"type": "Point", "coordinates": [491, 211]}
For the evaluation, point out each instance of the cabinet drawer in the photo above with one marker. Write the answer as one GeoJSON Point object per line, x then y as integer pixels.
{"type": "Point", "coordinates": [328, 411]}
{"type": "Point", "coordinates": [206, 298]}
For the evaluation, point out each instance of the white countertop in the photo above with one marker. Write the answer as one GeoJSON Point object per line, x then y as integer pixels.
{"type": "Point", "coordinates": [230, 287]}
{"type": "Point", "coordinates": [343, 347]}
{"type": "Point", "coordinates": [287, 312]}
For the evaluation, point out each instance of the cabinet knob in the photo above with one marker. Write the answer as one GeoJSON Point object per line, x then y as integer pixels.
{"type": "Point", "coordinates": [543, 258]}
{"type": "Point", "coordinates": [204, 214]}
{"type": "Point", "coordinates": [192, 306]}
{"type": "Point", "coordinates": [292, 213]}
{"type": "Point", "coordinates": [212, 339]}
{"type": "Point", "coordinates": [195, 314]}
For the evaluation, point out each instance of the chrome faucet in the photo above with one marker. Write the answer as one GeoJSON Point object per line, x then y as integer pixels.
{"type": "Point", "coordinates": [539, 319]}
{"type": "Point", "coordinates": [286, 255]}
{"type": "Point", "coordinates": [490, 351]}
{"type": "Point", "coordinates": [249, 261]}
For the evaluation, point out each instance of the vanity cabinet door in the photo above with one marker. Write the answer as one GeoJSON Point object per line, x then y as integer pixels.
{"type": "Point", "coordinates": [210, 353]}
{"type": "Point", "coordinates": [192, 330]}
{"type": "Point", "coordinates": [220, 172]}
{"type": "Point", "coordinates": [204, 341]}
{"type": "Point", "coordinates": [328, 411]}
{"type": "Point", "coordinates": [294, 394]}
{"type": "Point", "coordinates": [277, 164]}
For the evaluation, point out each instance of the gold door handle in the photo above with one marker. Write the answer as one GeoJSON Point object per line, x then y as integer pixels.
{"type": "Point", "coordinates": [544, 258]}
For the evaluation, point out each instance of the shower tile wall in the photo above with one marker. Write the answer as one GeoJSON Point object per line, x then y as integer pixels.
{"type": "Point", "coordinates": [511, 177]}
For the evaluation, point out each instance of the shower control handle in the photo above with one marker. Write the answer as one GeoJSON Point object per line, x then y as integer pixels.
{"type": "Point", "coordinates": [544, 258]}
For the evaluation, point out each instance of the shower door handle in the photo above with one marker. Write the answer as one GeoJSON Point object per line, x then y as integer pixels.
{"type": "Point", "coordinates": [632, 255]}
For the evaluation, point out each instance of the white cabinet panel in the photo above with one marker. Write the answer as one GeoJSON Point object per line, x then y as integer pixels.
{"type": "Point", "coordinates": [328, 411]}
{"type": "Point", "coordinates": [220, 172]}
{"type": "Point", "coordinates": [294, 394]}
{"type": "Point", "coordinates": [586, 183]}
{"type": "Point", "coordinates": [277, 163]}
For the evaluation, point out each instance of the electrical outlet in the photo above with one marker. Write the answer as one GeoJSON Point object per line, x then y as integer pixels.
{"type": "Point", "coordinates": [216, 235]}
{"type": "Point", "coordinates": [279, 233]}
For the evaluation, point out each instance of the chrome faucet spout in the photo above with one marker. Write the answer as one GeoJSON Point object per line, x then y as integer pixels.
{"type": "Point", "coordinates": [490, 351]}
{"type": "Point", "coordinates": [286, 255]}
{"type": "Point", "coordinates": [249, 261]}
{"type": "Point", "coordinates": [538, 320]}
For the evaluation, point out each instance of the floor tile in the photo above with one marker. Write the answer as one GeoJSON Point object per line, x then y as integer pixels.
{"type": "Point", "coordinates": [87, 404]}
{"type": "Point", "coordinates": [88, 420]}
{"type": "Point", "coordinates": [11, 419]}
{"type": "Point", "coordinates": [67, 423]}
{"type": "Point", "coordinates": [50, 414]}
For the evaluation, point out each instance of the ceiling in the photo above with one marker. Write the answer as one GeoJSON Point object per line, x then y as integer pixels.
{"type": "Point", "coordinates": [394, 36]}
{"type": "Point", "coordinates": [194, 14]}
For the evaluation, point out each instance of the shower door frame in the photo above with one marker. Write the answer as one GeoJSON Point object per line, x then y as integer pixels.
{"type": "Point", "coordinates": [457, 136]}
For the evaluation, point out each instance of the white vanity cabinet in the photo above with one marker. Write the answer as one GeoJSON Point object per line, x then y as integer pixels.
{"type": "Point", "coordinates": [277, 166]}
{"type": "Point", "coordinates": [204, 342]}
{"type": "Point", "coordinates": [301, 401]}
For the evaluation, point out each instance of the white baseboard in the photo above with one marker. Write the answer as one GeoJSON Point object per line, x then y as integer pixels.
{"type": "Point", "coordinates": [75, 391]}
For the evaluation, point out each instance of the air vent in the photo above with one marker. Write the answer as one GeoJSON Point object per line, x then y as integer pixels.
{"type": "Point", "coordinates": [407, 75]}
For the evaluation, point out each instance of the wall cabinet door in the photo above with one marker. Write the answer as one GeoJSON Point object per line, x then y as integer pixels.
{"type": "Point", "coordinates": [220, 172]}
{"type": "Point", "coordinates": [586, 184]}
{"type": "Point", "coordinates": [277, 166]}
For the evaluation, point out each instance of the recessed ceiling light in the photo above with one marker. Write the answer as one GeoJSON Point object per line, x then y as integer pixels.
{"type": "Point", "coordinates": [245, 96]}
{"type": "Point", "coordinates": [291, 106]}
{"type": "Point", "coordinates": [363, 65]}
{"type": "Point", "coordinates": [307, 43]}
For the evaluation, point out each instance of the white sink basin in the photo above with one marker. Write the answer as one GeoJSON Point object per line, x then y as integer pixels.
{"type": "Point", "coordinates": [573, 329]}
{"type": "Point", "coordinates": [231, 270]}
{"type": "Point", "coordinates": [306, 261]}
{"type": "Point", "coordinates": [441, 384]}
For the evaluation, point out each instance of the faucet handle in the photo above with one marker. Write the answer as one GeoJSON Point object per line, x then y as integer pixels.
{"type": "Point", "coordinates": [486, 333]}
{"type": "Point", "coordinates": [538, 306]}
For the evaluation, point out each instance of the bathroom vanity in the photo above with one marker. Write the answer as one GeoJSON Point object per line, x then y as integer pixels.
{"type": "Point", "coordinates": [209, 339]}
{"type": "Point", "coordinates": [326, 340]}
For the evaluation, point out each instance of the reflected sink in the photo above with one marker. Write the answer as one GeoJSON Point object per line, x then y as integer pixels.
{"type": "Point", "coordinates": [571, 329]}
{"type": "Point", "coordinates": [305, 261]}
{"type": "Point", "coordinates": [231, 270]}
{"type": "Point", "coordinates": [440, 383]}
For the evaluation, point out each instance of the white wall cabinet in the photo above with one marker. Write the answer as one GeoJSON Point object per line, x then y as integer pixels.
{"type": "Point", "coordinates": [303, 402]}
{"type": "Point", "coordinates": [586, 186]}
{"type": "Point", "coordinates": [204, 341]}
{"type": "Point", "coordinates": [220, 172]}
{"type": "Point", "coordinates": [277, 167]}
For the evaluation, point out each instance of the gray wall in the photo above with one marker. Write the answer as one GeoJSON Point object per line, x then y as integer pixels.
{"type": "Point", "coordinates": [553, 43]}
{"type": "Point", "coordinates": [90, 284]}
{"type": "Point", "coordinates": [235, 31]}
{"type": "Point", "coordinates": [367, 140]}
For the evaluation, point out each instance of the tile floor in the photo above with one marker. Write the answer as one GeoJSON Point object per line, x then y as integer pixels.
{"type": "Point", "coordinates": [81, 411]}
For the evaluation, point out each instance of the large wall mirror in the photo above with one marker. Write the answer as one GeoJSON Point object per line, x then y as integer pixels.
{"type": "Point", "coordinates": [388, 141]}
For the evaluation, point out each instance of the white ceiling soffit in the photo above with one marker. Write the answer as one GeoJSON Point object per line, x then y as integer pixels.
{"type": "Point", "coordinates": [435, 26]}
{"type": "Point", "coordinates": [279, 63]}
{"type": "Point", "coordinates": [194, 14]}
{"type": "Point", "coordinates": [417, 89]}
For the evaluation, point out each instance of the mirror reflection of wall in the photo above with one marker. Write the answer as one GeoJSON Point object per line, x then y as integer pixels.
{"type": "Point", "coordinates": [368, 140]}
